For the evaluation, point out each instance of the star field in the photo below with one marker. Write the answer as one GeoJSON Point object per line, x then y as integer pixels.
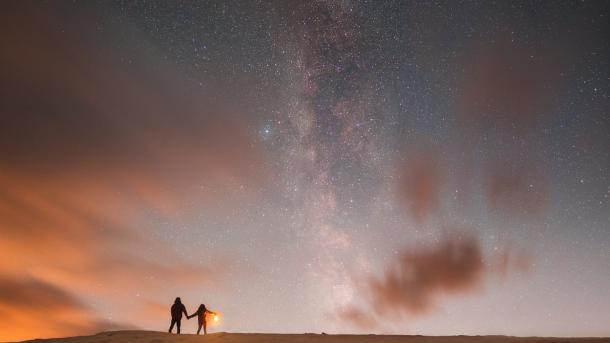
{"type": "Point", "coordinates": [388, 167]}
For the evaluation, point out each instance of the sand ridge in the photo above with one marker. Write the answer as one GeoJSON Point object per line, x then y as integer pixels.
{"type": "Point", "coordinates": [223, 337]}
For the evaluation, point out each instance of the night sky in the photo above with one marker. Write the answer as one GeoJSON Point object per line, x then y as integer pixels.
{"type": "Point", "coordinates": [434, 168]}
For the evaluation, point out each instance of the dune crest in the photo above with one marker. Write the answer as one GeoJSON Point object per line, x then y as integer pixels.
{"type": "Point", "coordinates": [223, 337]}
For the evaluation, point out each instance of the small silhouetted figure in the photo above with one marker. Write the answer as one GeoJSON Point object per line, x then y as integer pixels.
{"type": "Point", "coordinates": [201, 321]}
{"type": "Point", "coordinates": [177, 310]}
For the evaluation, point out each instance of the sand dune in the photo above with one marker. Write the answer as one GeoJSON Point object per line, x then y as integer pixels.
{"type": "Point", "coordinates": [222, 337]}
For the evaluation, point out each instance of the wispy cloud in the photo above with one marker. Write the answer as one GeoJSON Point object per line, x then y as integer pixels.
{"type": "Point", "coordinates": [92, 150]}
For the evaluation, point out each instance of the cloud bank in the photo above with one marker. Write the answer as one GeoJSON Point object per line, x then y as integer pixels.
{"type": "Point", "coordinates": [93, 150]}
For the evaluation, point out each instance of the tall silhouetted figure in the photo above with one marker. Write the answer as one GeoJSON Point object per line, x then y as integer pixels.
{"type": "Point", "coordinates": [177, 310]}
{"type": "Point", "coordinates": [201, 321]}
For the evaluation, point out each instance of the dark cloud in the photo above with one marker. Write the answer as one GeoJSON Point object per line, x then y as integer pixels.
{"type": "Point", "coordinates": [420, 183]}
{"type": "Point", "coordinates": [35, 295]}
{"type": "Point", "coordinates": [68, 104]}
{"type": "Point", "coordinates": [510, 260]}
{"type": "Point", "coordinates": [508, 85]}
{"type": "Point", "coordinates": [357, 317]}
{"type": "Point", "coordinates": [419, 278]}
{"type": "Point", "coordinates": [415, 280]}
{"type": "Point", "coordinates": [517, 188]}
{"type": "Point", "coordinates": [508, 91]}
{"type": "Point", "coordinates": [33, 307]}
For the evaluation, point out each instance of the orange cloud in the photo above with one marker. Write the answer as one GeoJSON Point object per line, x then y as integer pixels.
{"type": "Point", "coordinates": [92, 150]}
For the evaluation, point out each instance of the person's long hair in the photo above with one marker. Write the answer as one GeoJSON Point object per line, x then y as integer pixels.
{"type": "Point", "coordinates": [201, 309]}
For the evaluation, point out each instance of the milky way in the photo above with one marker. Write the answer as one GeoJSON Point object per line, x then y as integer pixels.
{"type": "Point", "coordinates": [386, 167]}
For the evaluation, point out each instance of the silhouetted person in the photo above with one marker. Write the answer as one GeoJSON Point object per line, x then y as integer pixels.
{"type": "Point", "coordinates": [177, 310]}
{"type": "Point", "coordinates": [201, 321]}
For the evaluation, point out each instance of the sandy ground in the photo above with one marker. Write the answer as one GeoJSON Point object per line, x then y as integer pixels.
{"type": "Point", "coordinates": [161, 337]}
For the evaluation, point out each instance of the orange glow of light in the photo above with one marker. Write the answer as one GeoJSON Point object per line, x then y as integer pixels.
{"type": "Point", "coordinates": [214, 319]}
